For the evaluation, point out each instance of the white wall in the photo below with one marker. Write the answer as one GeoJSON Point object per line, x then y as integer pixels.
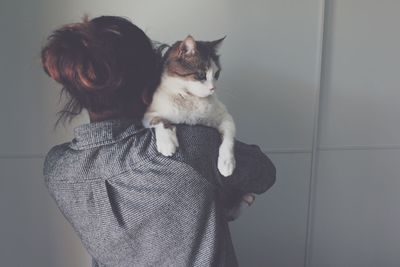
{"type": "Point", "coordinates": [270, 83]}
{"type": "Point", "coordinates": [357, 212]}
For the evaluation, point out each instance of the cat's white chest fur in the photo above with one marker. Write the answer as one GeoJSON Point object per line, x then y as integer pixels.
{"type": "Point", "coordinates": [179, 106]}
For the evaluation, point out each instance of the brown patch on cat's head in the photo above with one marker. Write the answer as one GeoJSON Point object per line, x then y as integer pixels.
{"type": "Point", "coordinates": [188, 58]}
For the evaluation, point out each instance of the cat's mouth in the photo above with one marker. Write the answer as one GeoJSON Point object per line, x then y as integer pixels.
{"type": "Point", "coordinates": [187, 92]}
{"type": "Point", "coordinates": [190, 94]}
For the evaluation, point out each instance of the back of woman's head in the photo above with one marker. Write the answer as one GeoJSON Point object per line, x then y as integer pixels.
{"type": "Point", "coordinates": [106, 64]}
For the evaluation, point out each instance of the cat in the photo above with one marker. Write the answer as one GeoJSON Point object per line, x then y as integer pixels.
{"type": "Point", "coordinates": [186, 94]}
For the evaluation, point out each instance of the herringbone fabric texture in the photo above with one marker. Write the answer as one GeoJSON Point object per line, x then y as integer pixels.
{"type": "Point", "coordinates": [131, 206]}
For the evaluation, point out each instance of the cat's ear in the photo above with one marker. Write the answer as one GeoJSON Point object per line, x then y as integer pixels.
{"type": "Point", "coordinates": [217, 43]}
{"type": "Point", "coordinates": [187, 46]}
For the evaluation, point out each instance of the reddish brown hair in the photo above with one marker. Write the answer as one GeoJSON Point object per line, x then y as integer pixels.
{"type": "Point", "coordinates": [106, 64]}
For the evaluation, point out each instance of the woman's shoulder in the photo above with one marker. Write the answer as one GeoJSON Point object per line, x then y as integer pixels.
{"type": "Point", "coordinates": [198, 130]}
{"type": "Point", "coordinates": [55, 161]}
{"type": "Point", "coordinates": [198, 136]}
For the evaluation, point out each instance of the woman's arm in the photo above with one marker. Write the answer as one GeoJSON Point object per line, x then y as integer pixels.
{"type": "Point", "coordinates": [254, 172]}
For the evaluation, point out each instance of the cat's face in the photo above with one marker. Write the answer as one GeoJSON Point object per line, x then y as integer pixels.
{"type": "Point", "coordinates": [195, 64]}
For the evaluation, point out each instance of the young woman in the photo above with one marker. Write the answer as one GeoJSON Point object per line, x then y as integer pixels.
{"type": "Point", "coordinates": [130, 205]}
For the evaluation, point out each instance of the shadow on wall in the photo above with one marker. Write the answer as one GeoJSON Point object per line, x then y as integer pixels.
{"type": "Point", "coordinates": [33, 232]}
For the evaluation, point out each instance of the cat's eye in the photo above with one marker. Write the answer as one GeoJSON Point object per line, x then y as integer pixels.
{"type": "Point", "coordinates": [216, 75]}
{"type": "Point", "coordinates": [201, 76]}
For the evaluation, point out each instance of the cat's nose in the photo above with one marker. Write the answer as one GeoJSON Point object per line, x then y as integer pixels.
{"type": "Point", "coordinates": [212, 89]}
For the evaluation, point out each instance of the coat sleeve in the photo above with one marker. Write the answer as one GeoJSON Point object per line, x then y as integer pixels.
{"type": "Point", "coordinates": [254, 172]}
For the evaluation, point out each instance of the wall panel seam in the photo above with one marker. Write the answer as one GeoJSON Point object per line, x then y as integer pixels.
{"type": "Point", "coordinates": [358, 147]}
{"type": "Point", "coordinates": [23, 156]}
{"type": "Point", "coordinates": [313, 167]}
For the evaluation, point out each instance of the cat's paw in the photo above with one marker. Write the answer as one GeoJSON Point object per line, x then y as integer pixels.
{"type": "Point", "coordinates": [167, 142]}
{"type": "Point", "coordinates": [226, 163]}
{"type": "Point", "coordinates": [166, 148]}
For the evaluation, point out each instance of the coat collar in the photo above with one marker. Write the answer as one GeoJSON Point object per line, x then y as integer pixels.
{"type": "Point", "coordinates": [102, 133]}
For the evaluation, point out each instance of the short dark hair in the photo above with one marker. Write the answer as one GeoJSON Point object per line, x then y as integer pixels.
{"type": "Point", "coordinates": [106, 64]}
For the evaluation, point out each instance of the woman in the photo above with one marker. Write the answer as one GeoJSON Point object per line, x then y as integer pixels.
{"type": "Point", "coordinates": [130, 205]}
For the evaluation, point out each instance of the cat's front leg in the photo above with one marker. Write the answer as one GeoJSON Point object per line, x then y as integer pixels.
{"type": "Point", "coordinates": [167, 142]}
{"type": "Point", "coordinates": [166, 139]}
{"type": "Point", "coordinates": [226, 157]}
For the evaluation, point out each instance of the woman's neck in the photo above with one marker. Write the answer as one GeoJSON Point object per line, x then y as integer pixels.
{"type": "Point", "coordinates": [109, 115]}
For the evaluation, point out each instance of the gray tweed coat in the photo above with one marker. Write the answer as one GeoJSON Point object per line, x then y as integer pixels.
{"type": "Point", "coordinates": [131, 206]}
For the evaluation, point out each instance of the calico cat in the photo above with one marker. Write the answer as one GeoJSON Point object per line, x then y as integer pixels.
{"type": "Point", "coordinates": [186, 94]}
